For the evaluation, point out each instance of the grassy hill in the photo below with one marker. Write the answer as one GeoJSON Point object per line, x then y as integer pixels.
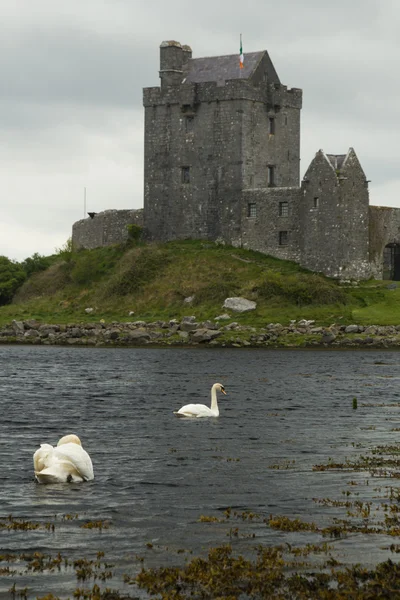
{"type": "Point", "coordinates": [154, 280]}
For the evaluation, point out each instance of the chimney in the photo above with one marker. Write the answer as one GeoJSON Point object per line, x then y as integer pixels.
{"type": "Point", "coordinates": [171, 62]}
{"type": "Point", "coordinates": [186, 54]}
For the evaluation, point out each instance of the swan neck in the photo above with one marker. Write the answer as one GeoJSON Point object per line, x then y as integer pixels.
{"type": "Point", "coordinates": [214, 403]}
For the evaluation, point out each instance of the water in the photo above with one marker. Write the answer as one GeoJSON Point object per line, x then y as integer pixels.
{"type": "Point", "coordinates": [155, 475]}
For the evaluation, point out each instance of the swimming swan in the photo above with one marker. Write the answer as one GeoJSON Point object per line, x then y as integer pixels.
{"type": "Point", "coordinates": [201, 410]}
{"type": "Point", "coordinates": [67, 462]}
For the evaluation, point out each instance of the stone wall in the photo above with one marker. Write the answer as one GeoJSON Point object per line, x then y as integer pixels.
{"type": "Point", "coordinates": [334, 218]}
{"type": "Point", "coordinates": [105, 228]}
{"type": "Point", "coordinates": [264, 221]}
{"type": "Point", "coordinates": [384, 228]}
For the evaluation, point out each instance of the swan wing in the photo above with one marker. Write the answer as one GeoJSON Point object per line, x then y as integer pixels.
{"type": "Point", "coordinates": [195, 410]}
{"type": "Point", "coordinates": [78, 459]}
{"type": "Point", "coordinates": [43, 457]}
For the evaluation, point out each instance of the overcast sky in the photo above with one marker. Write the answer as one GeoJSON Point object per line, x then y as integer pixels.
{"type": "Point", "coordinates": [71, 79]}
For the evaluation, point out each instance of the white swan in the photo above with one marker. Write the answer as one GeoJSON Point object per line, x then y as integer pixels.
{"type": "Point", "coordinates": [67, 462]}
{"type": "Point", "coordinates": [201, 410]}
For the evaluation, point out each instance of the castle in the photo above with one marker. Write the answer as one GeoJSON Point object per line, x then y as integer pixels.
{"type": "Point", "coordinates": [222, 163]}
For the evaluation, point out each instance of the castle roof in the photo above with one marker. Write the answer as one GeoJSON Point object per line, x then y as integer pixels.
{"type": "Point", "coordinates": [221, 68]}
{"type": "Point", "coordinates": [336, 160]}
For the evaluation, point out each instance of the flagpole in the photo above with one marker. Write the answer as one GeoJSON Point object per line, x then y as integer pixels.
{"type": "Point", "coordinates": [241, 57]}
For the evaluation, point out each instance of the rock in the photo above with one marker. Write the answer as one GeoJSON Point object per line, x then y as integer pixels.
{"type": "Point", "coordinates": [391, 286]}
{"type": "Point", "coordinates": [183, 334]}
{"type": "Point", "coordinates": [130, 313]}
{"type": "Point", "coordinates": [111, 334]}
{"type": "Point", "coordinates": [188, 325]}
{"type": "Point", "coordinates": [231, 326]}
{"type": "Point", "coordinates": [75, 332]}
{"type": "Point", "coordinates": [371, 330]}
{"type": "Point", "coordinates": [208, 325]}
{"type": "Point", "coordinates": [31, 324]}
{"type": "Point", "coordinates": [352, 329]}
{"type": "Point", "coordinates": [305, 323]}
{"type": "Point", "coordinates": [328, 337]}
{"type": "Point", "coordinates": [223, 317]}
{"type": "Point", "coordinates": [139, 336]}
{"type": "Point", "coordinates": [239, 304]}
{"type": "Point", "coordinates": [204, 335]}
{"type": "Point", "coordinates": [18, 327]}
{"type": "Point", "coordinates": [89, 310]}
{"type": "Point", "coordinates": [189, 300]}
{"type": "Point", "coordinates": [31, 334]}
{"type": "Point", "coordinates": [190, 319]}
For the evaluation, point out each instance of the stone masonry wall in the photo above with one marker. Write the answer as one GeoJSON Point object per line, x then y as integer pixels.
{"type": "Point", "coordinates": [384, 228]}
{"type": "Point", "coordinates": [334, 219]}
{"type": "Point", "coordinates": [262, 232]}
{"type": "Point", "coordinates": [105, 228]}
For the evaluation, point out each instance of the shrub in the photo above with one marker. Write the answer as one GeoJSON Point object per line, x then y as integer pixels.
{"type": "Point", "coordinates": [134, 233]}
{"type": "Point", "coordinates": [36, 263]}
{"type": "Point", "coordinates": [301, 289]}
{"type": "Point", "coordinates": [218, 289]}
{"type": "Point", "coordinates": [137, 268]}
{"type": "Point", "coordinates": [12, 276]}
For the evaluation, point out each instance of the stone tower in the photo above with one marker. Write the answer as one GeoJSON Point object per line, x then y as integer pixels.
{"type": "Point", "coordinates": [213, 130]}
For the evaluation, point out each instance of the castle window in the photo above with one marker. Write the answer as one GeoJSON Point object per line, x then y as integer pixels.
{"type": "Point", "coordinates": [316, 201]}
{"type": "Point", "coordinates": [283, 209]}
{"type": "Point", "coordinates": [271, 124]}
{"type": "Point", "coordinates": [189, 122]}
{"type": "Point", "coordinates": [185, 174]}
{"type": "Point", "coordinates": [283, 238]}
{"type": "Point", "coordinates": [252, 210]}
{"type": "Point", "coordinates": [270, 176]}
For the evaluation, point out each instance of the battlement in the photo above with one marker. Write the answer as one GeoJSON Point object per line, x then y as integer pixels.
{"type": "Point", "coordinates": [232, 89]}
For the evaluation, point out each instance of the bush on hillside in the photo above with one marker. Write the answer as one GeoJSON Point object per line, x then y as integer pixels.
{"type": "Point", "coordinates": [36, 263]}
{"type": "Point", "coordinates": [12, 276]}
{"type": "Point", "coordinates": [301, 289]}
{"type": "Point", "coordinates": [138, 267]}
{"type": "Point", "coordinates": [44, 283]}
{"type": "Point", "coordinates": [218, 289]}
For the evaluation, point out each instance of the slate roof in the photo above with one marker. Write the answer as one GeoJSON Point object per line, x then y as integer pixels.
{"type": "Point", "coordinates": [220, 68]}
{"type": "Point", "coordinates": [336, 160]}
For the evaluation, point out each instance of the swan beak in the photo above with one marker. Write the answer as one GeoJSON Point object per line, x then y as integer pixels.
{"type": "Point", "coordinates": [223, 391]}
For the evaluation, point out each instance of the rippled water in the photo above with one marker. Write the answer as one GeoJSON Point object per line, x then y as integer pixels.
{"type": "Point", "coordinates": [156, 474]}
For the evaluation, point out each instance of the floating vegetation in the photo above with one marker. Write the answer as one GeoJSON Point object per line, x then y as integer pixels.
{"type": "Point", "coordinates": [223, 575]}
{"type": "Point", "coordinates": [284, 465]}
{"type": "Point", "coordinates": [286, 524]}
{"type": "Point", "coordinates": [11, 523]}
{"type": "Point", "coordinates": [96, 525]}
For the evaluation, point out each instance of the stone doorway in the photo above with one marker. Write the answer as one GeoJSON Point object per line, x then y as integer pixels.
{"type": "Point", "coordinates": [391, 262]}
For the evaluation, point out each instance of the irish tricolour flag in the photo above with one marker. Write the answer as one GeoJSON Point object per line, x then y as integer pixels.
{"type": "Point", "coordinates": [241, 57]}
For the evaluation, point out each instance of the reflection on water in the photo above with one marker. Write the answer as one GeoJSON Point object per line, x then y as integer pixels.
{"type": "Point", "coordinates": [155, 475]}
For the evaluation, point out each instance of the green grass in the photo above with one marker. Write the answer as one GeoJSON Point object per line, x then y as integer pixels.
{"type": "Point", "coordinates": [154, 280]}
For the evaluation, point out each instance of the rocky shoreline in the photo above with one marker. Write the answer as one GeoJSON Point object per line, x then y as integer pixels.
{"type": "Point", "coordinates": [222, 332]}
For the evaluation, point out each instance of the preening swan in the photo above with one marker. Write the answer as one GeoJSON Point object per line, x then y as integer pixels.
{"type": "Point", "coordinates": [201, 410]}
{"type": "Point", "coordinates": [67, 462]}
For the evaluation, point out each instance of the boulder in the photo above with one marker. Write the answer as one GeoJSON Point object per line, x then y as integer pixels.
{"type": "Point", "coordinates": [204, 335]}
{"type": "Point", "coordinates": [139, 336]}
{"type": "Point", "coordinates": [18, 327]}
{"type": "Point", "coordinates": [239, 304]}
{"type": "Point", "coordinates": [352, 329]}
